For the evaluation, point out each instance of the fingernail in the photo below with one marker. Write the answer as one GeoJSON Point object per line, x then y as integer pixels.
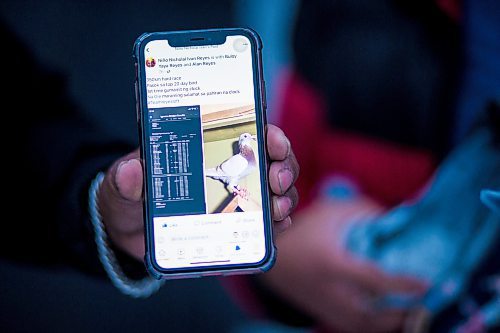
{"type": "Point", "coordinates": [284, 205]}
{"type": "Point", "coordinates": [283, 226]}
{"type": "Point", "coordinates": [288, 222]}
{"type": "Point", "coordinates": [288, 146]}
{"type": "Point", "coordinates": [122, 163]}
{"type": "Point", "coordinates": [285, 178]}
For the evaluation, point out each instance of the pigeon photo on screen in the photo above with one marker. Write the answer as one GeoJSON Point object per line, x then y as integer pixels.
{"type": "Point", "coordinates": [231, 159]}
{"type": "Point", "coordinates": [237, 167]}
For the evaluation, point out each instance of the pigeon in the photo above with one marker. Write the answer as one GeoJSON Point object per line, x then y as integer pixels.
{"type": "Point", "coordinates": [237, 167]}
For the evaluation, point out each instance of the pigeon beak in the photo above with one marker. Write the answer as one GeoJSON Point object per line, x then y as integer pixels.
{"type": "Point", "coordinates": [254, 137]}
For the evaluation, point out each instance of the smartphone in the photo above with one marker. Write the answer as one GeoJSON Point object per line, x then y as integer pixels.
{"type": "Point", "coordinates": [202, 118]}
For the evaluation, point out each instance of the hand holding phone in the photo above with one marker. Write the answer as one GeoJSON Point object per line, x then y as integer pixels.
{"type": "Point", "coordinates": [201, 113]}
{"type": "Point", "coordinates": [120, 195]}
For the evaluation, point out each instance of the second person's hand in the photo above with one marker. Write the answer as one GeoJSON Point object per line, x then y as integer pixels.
{"type": "Point", "coordinates": [322, 279]}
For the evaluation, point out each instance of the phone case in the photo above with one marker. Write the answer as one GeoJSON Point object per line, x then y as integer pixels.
{"type": "Point", "coordinates": [259, 90]}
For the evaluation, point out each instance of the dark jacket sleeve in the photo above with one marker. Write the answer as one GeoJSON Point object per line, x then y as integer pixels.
{"type": "Point", "coordinates": [52, 151]}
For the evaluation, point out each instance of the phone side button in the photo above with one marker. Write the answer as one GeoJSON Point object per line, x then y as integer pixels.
{"type": "Point", "coordinates": [264, 94]}
{"type": "Point", "coordinates": [137, 111]}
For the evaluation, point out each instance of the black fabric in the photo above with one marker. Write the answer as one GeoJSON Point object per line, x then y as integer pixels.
{"type": "Point", "coordinates": [494, 118]}
{"type": "Point", "coordinates": [278, 308]}
{"type": "Point", "coordinates": [62, 300]}
{"type": "Point", "coordinates": [387, 69]}
{"type": "Point", "coordinates": [53, 151]}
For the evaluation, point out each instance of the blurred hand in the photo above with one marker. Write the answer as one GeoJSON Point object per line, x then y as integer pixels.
{"type": "Point", "coordinates": [320, 278]}
{"type": "Point", "coordinates": [120, 194]}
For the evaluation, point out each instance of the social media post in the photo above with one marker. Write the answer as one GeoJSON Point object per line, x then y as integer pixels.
{"type": "Point", "coordinates": [208, 240]}
{"type": "Point", "coordinates": [201, 103]}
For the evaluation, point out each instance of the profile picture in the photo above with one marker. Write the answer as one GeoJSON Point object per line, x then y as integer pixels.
{"type": "Point", "coordinates": [241, 44]}
{"type": "Point", "coordinates": [150, 62]}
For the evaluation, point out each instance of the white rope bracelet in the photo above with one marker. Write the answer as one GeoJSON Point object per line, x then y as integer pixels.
{"type": "Point", "coordinates": [135, 288]}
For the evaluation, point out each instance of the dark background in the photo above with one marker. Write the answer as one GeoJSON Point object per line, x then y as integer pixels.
{"type": "Point", "coordinates": [90, 43]}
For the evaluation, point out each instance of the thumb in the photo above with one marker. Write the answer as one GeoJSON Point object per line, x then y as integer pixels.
{"type": "Point", "coordinates": [123, 181]}
{"type": "Point", "coordinates": [128, 179]}
{"type": "Point", "coordinates": [120, 194]}
{"type": "Point", "coordinates": [119, 204]}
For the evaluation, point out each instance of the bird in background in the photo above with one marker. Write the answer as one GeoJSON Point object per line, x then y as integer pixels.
{"type": "Point", "coordinates": [237, 167]}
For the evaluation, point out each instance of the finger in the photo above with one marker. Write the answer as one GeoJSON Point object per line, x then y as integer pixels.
{"type": "Point", "coordinates": [278, 144]}
{"type": "Point", "coordinates": [110, 182]}
{"type": "Point", "coordinates": [377, 318]}
{"type": "Point", "coordinates": [133, 244]}
{"type": "Point", "coordinates": [283, 174]}
{"type": "Point", "coordinates": [406, 284]}
{"type": "Point", "coordinates": [119, 195]}
{"type": "Point", "coordinates": [339, 305]}
{"type": "Point", "coordinates": [374, 279]}
{"type": "Point", "coordinates": [284, 205]}
{"type": "Point", "coordinates": [128, 179]}
{"type": "Point", "coordinates": [358, 314]}
{"type": "Point", "coordinates": [282, 226]}
{"type": "Point", "coordinates": [387, 321]}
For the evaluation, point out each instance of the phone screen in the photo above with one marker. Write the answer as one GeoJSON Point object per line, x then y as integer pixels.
{"type": "Point", "coordinates": [203, 153]}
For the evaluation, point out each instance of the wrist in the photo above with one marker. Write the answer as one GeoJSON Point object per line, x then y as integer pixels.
{"type": "Point", "coordinates": [135, 288]}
